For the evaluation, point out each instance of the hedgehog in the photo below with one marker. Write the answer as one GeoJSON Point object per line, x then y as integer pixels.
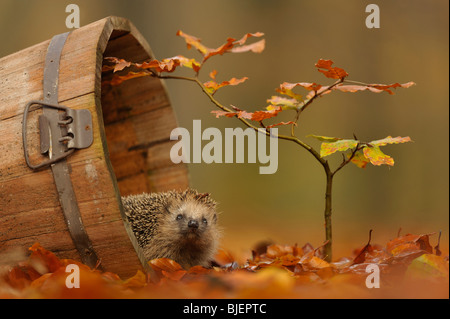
{"type": "Point", "coordinates": [179, 225]}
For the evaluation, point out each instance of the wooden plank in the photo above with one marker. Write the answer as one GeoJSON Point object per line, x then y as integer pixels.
{"type": "Point", "coordinates": [23, 78]}
{"type": "Point", "coordinates": [168, 178]}
{"type": "Point", "coordinates": [91, 180]}
{"type": "Point", "coordinates": [131, 98]}
{"type": "Point", "coordinates": [134, 184]}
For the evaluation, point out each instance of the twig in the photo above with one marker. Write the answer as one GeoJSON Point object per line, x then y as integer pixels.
{"type": "Point", "coordinates": [345, 162]}
{"type": "Point", "coordinates": [306, 103]}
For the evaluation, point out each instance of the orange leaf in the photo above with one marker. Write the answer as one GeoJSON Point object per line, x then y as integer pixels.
{"type": "Point", "coordinates": [174, 275]}
{"type": "Point", "coordinates": [168, 268]}
{"type": "Point", "coordinates": [281, 123]}
{"type": "Point", "coordinates": [259, 116]}
{"type": "Point", "coordinates": [120, 64]}
{"type": "Point", "coordinates": [330, 72]}
{"type": "Point", "coordinates": [137, 281]}
{"type": "Point", "coordinates": [420, 242]}
{"type": "Point", "coordinates": [213, 74]}
{"type": "Point", "coordinates": [118, 79]}
{"type": "Point", "coordinates": [375, 88]}
{"type": "Point", "coordinates": [256, 47]}
{"type": "Point", "coordinates": [223, 257]}
{"type": "Point", "coordinates": [213, 86]}
{"type": "Point", "coordinates": [248, 35]}
{"type": "Point", "coordinates": [44, 257]}
{"type": "Point", "coordinates": [166, 65]}
{"type": "Point", "coordinates": [308, 86]}
{"type": "Point", "coordinates": [192, 41]}
{"type": "Point", "coordinates": [183, 61]}
{"type": "Point", "coordinates": [228, 46]}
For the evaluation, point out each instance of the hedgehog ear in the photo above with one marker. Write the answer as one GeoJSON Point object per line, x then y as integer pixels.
{"type": "Point", "coordinates": [168, 205]}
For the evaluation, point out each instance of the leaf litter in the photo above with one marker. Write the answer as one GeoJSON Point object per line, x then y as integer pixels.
{"type": "Point", "coordinates": [409, 268]}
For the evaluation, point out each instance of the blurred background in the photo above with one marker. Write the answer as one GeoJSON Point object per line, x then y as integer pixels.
{"type": "Point", "coordinates": [287, 207]}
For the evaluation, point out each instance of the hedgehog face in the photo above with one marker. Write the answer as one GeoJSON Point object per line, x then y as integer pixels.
{"type": "Point", "coordinates": [192, 219]}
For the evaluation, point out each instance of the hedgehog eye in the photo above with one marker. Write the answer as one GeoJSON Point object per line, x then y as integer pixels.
{"type": "Point", "coordinates": [204, 221]}
{"type": "Point", "coordinates": [179, 217]}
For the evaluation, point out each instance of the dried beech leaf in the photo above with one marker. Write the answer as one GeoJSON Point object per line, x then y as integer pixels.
{"type": "Point", "coordinates": [325, 66]}
{"type": "Point", "coordinates": [376, 156]}
{"type": "Point", "coordinates": [118, 79]}
{"type": "Point", "coordinates": [327, 149]}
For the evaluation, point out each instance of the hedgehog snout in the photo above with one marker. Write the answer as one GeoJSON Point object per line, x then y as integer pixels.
{"type": "Point", "coordinates": [193, 224]}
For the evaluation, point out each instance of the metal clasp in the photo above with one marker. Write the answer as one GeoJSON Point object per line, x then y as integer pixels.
{"type": "Point", "coordinates": [76, 132]}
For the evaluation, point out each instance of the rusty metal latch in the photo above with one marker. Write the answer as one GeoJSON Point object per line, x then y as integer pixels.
{"type": "Point", "coordinates": [75, 127]}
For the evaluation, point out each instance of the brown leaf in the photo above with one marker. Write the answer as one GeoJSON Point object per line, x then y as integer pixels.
{"type": "Point", "coordinates": [436, 248]}
{"type": "Point", "coordinates": [120, 64]}
{"type": "Point", "coordinates": [275, 250]}
{"type": "Point", "coordinates": [259, 116]}
{"type": "Point", "coordinates": [228, 46]}
{"type": "Point", "coordinates": [330, 72]}
{"type": "Point", "coordinates": [167, 65]}
{"type": "Point", "coordinates": [193, 41]}
{"type": "Point", "coordinates": [308, 86]}
{"type": "Point", "coordinates": [375, 88]}
{"type": "Point", "coordinates": [248, 35]}
{"type": "Point", "coordinates": [137, 281]}
{"type": "Point", "coordinates": [238, 114]}
{"type": "Point", "coordinates": [282, 123]}
{"type": "Point", "coordinates": [223, 257]}
{"type": "Point", "coordinates": [213, 86]}
{"type": "Point", "coordinates": [408, 247]}
{"type": "Point", "coordinates": [118, 79]}
{"type": "Point", "coordinates": [213, 74]}
{"type": "Point", "coordinates": [167, 268]}
{"type": "Point", "coordinates": [361, 257]}
{"type": "Point", "coordinates": [45, 258]}
{"type": "Point", "coordinates": [256, 47]}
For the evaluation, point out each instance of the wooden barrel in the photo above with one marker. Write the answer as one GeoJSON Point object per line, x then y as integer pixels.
{"type": "Point", "coordinates": [129, 154]}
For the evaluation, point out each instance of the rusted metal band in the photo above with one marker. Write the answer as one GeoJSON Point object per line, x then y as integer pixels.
{"type": "Point", "coordinates": [61, 170]}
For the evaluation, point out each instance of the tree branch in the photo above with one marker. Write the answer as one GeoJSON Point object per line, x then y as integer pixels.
{"type": "Point", "coordinates": [294, 139]}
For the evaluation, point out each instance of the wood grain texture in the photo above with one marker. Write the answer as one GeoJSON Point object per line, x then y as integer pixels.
{"type": "Point", "coordinates": [130, 152]}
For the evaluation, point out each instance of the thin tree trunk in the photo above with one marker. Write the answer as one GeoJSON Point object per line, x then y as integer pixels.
{"type": "Point", "coordinates": [327, 250]}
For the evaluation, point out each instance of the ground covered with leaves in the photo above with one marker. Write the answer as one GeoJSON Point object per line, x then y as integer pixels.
{"type": "Point", "coordinates": [409, 267]}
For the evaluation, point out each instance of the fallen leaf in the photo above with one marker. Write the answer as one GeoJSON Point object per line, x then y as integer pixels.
{"type": "Point", "coordinates": [428, 265]}
{"type": "Point", "coordinates": [361, 257]}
